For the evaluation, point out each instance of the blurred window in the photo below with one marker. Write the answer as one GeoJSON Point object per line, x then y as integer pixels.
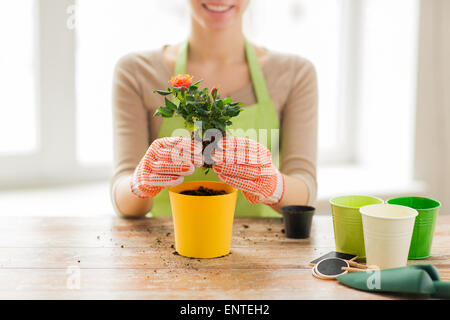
{"type": "Point", "coordinates": [107, 30]}
{"type": "Point", "coordinates": [18, 122]}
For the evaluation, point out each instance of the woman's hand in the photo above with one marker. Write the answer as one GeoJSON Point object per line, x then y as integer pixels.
{"type": "Point", "coordinates": [247, 165]}
{"type": "Point", "coordinates": [165, 164]}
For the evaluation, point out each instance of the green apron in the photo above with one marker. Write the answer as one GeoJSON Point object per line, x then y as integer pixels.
{"type": "Point", "coordinates": [261, 115]}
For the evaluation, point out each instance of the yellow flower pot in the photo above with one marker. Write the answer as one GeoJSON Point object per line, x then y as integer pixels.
{"type": "Point", "coordinates": [203, 224]}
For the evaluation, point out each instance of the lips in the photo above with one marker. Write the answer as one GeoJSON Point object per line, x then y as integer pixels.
{"type": "Point", "coordinates": [216, 8]}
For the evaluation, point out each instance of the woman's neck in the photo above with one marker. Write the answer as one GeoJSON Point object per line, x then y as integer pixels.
{"type": "Point", "coordinates": [224, 46]}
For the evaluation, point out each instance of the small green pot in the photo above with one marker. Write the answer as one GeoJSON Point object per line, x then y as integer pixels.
{"type": "Point", "coordinates": [422, 236]}
{"type": "Point", "coordinates": [347, 223]}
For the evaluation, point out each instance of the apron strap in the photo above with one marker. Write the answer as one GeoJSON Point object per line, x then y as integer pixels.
{"type": "Point", "coordinates": [257, 76]}
{"type": "Point", "coordinates": [258, 80]}
{"type": "Point", "coordinates": [182, 57]}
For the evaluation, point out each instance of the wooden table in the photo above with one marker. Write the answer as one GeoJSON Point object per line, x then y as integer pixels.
{"type": "Point", "coordinates": [113, 258]}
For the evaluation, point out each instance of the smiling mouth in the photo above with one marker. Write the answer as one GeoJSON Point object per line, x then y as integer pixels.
{"type": "Point", "coordinates": [217, 8]}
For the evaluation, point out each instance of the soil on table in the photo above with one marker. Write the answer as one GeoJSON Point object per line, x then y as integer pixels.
{"type": "Point", "coordinates": [202, 191]}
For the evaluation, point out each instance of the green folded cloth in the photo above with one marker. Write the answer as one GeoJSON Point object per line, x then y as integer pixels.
{"type": "Point", "coordinates": [415, 279]}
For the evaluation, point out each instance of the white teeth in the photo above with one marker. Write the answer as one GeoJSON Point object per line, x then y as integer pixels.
{"type": "Point", "coordinates": [217, 8]}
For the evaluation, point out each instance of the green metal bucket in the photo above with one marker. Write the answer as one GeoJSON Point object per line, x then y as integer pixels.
{"type": "Point", "coordinates": [347, 223]}
{"type": "Point", "coordinates": [422, 236]}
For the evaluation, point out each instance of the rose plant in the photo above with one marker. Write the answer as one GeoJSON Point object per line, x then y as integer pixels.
{"type": "Point", "coordinates": [201, 109]}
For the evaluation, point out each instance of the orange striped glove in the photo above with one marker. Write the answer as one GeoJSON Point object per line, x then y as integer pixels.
{"type": "Point", "coordinates": [247, 165]}
{"type": "Point", "coordinates": [165, 164]}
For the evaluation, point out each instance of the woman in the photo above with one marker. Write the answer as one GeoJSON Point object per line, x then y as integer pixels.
{"type": "Point", "coordinates": [279, 90]}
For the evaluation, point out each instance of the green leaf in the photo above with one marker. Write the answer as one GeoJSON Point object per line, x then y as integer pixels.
{"type": "Point", "coordinates": [166, 112]}
{"type": "Point", "coordinates": [196, 84]}
{"type": "Point", "coordinates": [163, 93]}
{"type": "Point", "coordinates": [203, 111]}
{"type": "Point", "coordinates": [170, 105]}
{"type": "Point", "coordinates": [219, 124]}
{"type": "Point", "coordinates": [227, 101]}
{"type": "Point", "coordinates": [233, 111]}
{"type": "Point", "coordinates": [192, 89]}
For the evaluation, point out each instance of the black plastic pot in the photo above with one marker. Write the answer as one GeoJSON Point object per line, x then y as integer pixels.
{"type": "Point", "coordinates": [297, 221]}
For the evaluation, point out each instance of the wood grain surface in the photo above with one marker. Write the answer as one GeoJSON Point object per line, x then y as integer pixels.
{"type": "Point", "coordinates": [114, 258]}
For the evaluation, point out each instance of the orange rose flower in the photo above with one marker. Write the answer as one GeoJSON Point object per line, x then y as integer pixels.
{"type": "Point", "coordinates": [181, 80]}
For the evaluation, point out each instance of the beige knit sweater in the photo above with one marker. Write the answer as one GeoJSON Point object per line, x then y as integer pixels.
{"type": "Point", "coordinates": [292, 85]}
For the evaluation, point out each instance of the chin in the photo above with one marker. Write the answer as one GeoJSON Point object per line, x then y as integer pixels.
{"type": "Point", "coordinates": [218, 25]}
{"type": "Point", "coordinates": [218, 14]}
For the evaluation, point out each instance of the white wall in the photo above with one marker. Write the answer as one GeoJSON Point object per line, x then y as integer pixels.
{"type": "Point", "coordinates": [432, 148]}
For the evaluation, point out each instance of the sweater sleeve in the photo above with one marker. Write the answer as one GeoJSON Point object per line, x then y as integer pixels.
{"type": "Point", "coordinates": [130, 122]}
{"type": "Point", "coordinates": [299, 126]}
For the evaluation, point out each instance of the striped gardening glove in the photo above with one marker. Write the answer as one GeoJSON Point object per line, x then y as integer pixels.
{"type": "Point", "coordinates": [247, 165]}
{"type": "Point", "coordinates": [165, 164]}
